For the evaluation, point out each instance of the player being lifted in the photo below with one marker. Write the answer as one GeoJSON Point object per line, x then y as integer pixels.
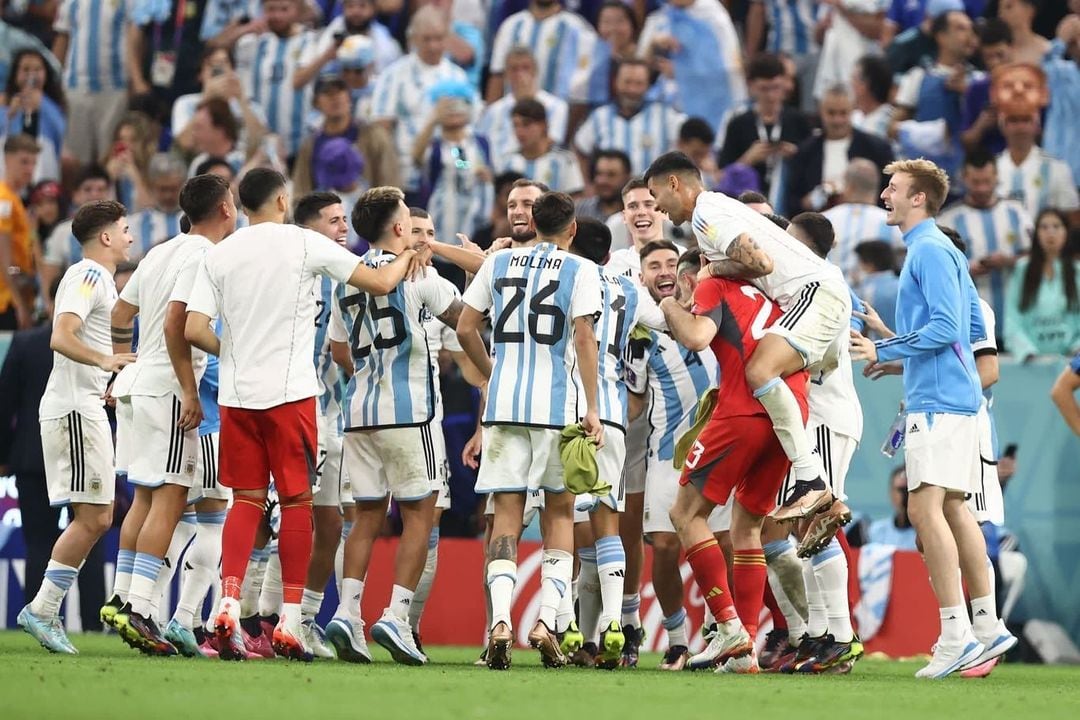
{"type": "Point", "coordinates": [543, 303]}
{"type": "Point", "coordinates": [75, 435]}
{"type": "Point", "coordinates": [741, 243]}
{"type": "Point", "coordinates": [389, 405]}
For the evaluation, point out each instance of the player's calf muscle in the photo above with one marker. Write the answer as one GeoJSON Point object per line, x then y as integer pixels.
{"type": "Point", "coordinates": [503, 547]}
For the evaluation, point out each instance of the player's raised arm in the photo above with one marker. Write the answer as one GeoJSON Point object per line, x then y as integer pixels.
{"type": "Point", "coordinates": [694, 332]}
{"type": "Point", "coordinates": [745, 260]}
{"type": "Point", "coordinates": [382, 280]}
{"type": "Point", "coordinates": [468, 260]}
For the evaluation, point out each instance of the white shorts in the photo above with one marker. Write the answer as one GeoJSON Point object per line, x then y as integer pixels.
{"type": "Point", "coordinates": [442, 467]}
{"type": "Point", "coordinates": [816, 324]}
{"type": "Point", "coordinates": [124, 440]}
{"type": "Point", "coordinates": [637, 447]}
{"type": "Point", "coordinates": [987, 503]}
{"type": "Point", "coordinates": [328, 469]}
{"type": "Point", "coordinates": [206, 485]}
{"type": "Point", "coordinates": [78, 454]}
{"type": "Point", "coordinates": [534, 503]}
{"type": "Point", "coordinates": [836, 451]}
{"type": "Point", "coordinates": [516, 459]}
{"type": "Point", "coordinates": [661, 487]}
{"type": "Point", "coordinates": [391, 461]}
{"type": "Point", "coordinates": [160, 452]}
{"type": "Point", "coordinates": [942, 449]}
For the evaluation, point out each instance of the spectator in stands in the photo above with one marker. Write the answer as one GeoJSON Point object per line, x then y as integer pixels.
{"type": "Point", "coordinates": [359, 17]}
{"type": "Point", "coordinates": [91, 42]}
{"type": "Point", "coordinates": [402, 102]}
{"type": "Point", "coordinates": [871, 86]}
{"type": "Point", "coordinates": [560, 40]}
{"type": "Point", "coordinates": [521, 75]}
{"type": "Point", "coordinates": [161, 221]}
{"type": "Point", "coordinates": [642, 129]}
{"type": "Point", "coordinates": [1042, 312]}
{"type": "Point", "coordinates": [47, 207]}
{"type": "Point", "coordinates": [617, 29]}
{"type": "Point", "coordinates": [979, 119]}
{"type": "Point", "coordinates": [538, 158]}
{"type": "Point", "coordinates": [134, 143]}
{"type": "Point", "coordinates": [1061, 137]}
{"type": "Point", "coordinates": [1028, 174]}
{"type": "Point", "coordinates": [381, 164]}
{"type": "Point", "coordinates": [916, 45]}
{"type": "Point", "coordinates": [464, 42]}
{"type": "Point", "coordinates": [877, 283]}
{"type": "Point", "coordinates": [609, 171]}
{"type": "Point", "coordinates": [355, 59]}
{"type": "Point", "coordinates": [33, 103]}
{"type": "Point", "coordinates": [996, 231]}
{"type": "Point", "coordinates": [791, 33]}
{"type": "Point", "coordinates": [16, 249]}
{"type": "Point", "coordinates": [817, 175]}
{"type": "Point", "coordinates": [215, 133]}
{"type": "Point", "coordinates": [768, 132]}
{"type": "Point", "coordinates": [217, 75]}
{"type": "Point", "coordinates": [852, 29]}
{"type": "Point", "coordinates": [61, 248]}
{"type": "Point", "coordinates": [1064, 394]}
{"type": "Point", "coordinates": [858, 218]}
{"type": "Point", "coordinates": [1028, 46]}
{"type": "Point", "coordinates": [896, 530]}
{"type": "Point", "coordinates": [697, 140]}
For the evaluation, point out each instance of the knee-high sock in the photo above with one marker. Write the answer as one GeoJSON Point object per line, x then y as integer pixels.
{"type": "Point", "coordinates": [589, 596]}
{"type": "Point", "coordinates": [611, 567]}
{"type": "Point", "coordinates": [817, 621]}
{"type": "Point", "coordinates": [237, 542]}
{"type": "Point", "coordinates": [427, 579]}
{"type": "Point", "coordinates": [787, 420]}
{"type": "Point", "coordinates": [200, 567]}
{"type": "Point", "coordinates": [710, 573]}
{"type": "Point", "coordinates": [185, 530]}
{"type": "Point", "coordinates": [831, 571]}
{"type": "Point", "coordinates": [501, 579]}
{"type": "Point", "coordinates": [253, 581]}
{"type": "Point", "coordinates": [786, 581]}
{"type": "Point", "coordinates": [294, 549]}
{"type": "Point", "coordinates": [750, 574]}
{"type": "Point", "coordinates": [555, 576]}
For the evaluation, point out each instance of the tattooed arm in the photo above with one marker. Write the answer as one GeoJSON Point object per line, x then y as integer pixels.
{"type": "Point", "coordinates": [745, 259]}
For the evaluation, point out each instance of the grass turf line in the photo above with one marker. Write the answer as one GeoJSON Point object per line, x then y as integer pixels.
{"type": "Point", "coordinates": [108, 680]}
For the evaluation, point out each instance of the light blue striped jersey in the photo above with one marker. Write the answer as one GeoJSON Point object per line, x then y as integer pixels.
{"type": "Point", "coordinates": [650, 133]}
{"type": "Point", "coordinates": [534, 294]}
{"type": "Point", "coordinates": [327, 373]}
{"type": "Point", "coordinates": [461, 192]}
{"type": "Point", "coordinates": [497, 126]}
{"type": "Point", "coordinates": [622, 309]}
{"type": "Point", "coordinates": [791, 26]}
{"type": "Point", "coordinates": [854, 223]}
{"type": "Point", "coordinates": [562, 45]}
{"type": "Point", "coordinates": [558, 169]}
{"type": "Point", "coordinates": [266, 64]}
{"type": "Point", "coordinates": [676, 378]}
{"type": "Point", "coordinates": [95, 54]}
{"type": "Point", "coordinates": [441, 337]}
{"type": "Point", "coordinates": [1039, 181]}
{"type": "Point", "coordinates": [150, 227]}
{"type": "Point", "coordinates": [392, 383]}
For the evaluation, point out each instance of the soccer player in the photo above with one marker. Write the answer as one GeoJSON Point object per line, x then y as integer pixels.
{"type": "Point", "coordinates": [324, 213]}
{"type": "Point", "coordinates": [937, 309]}
{"type": "Point", "coordinates": [644, 224]}
{"type": "Point", "coordinates": [543, 303]}
{"type": "Point", "coordinates": [742, 243]}
{"type": "Point", "coordinates": [261, 284]}
{"type": "Point", "coordinates": [158, 401]}
{"type": "Point", "coordinates": [75, 434]}
{"type": "Point", "coordinates": [389, 406]}
{"type": "Point", "coordinates": [675, 378]}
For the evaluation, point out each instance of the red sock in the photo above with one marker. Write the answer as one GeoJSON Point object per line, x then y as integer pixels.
{"type": "Point", "coordinates": [751, 577]}
{"type": "Point", "coordinates": [294, 548]}
{"type": "Point", "coordinates": [778, 620]}
{"type": "Point", "coordinates": [237, 542]}
{"type": "Point", "coordinates": [710, 573]}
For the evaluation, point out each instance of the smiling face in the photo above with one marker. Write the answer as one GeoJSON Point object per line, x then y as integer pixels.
{"type": "Point", "coordinates": [643, 221]}
{"type": "Point", "coordinates": [519, 206]}
{"type": "Point", "coordinates": [659, 270]}
{"type": "Point", "coordinates": [332, 223]}
{"type": "Point", "coordinates": [669, 193]}
{"type": "Point", "coordinates": [117, 237]}
{"type": "Point", "coordinates": [897, 199]}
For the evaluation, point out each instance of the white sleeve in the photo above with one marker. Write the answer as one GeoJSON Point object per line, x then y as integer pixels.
{"type": "Point", "coordinates": [73, 297]}
{"type": "Point", "coordinates": [587, 299]}
{"type": "Point", "coordinates": [478, 294]}
{"type": "Point", "coordinates": [436, 292]}
{"type": "Point", "coordinates": [204, 295]}
{"type": "Point", "coordinates": [585, 138]}
{"type": "Point", "coordinates": [648, 31]}
{"type": "Point", "coordinates": [557, 115]}
{"type": "Point", "coordinates": [61, 24]}
{"type": "Point", "coordinates": [501, 46]}
{"type": "Point", "coordinates": [573, 180]}
{"type": "Point", "coordinates": [907, 93]}
{"type": "Point", "coordinates": [182, 112]}
{"type": "Point", "coordinates": [989, 343]}
{"type": "Point", "coordinates": [245, 57]}
{"type": "Point", "coordinates": [185, 279]}
{"type": "Point", "coordinates": [326, 257]}
{"type": "Point", "coordinates": [714, 225]}
{"type": "Point", "coordinates": [337, 330]}
{"type": "Point", "coordinates": [1063, 187]}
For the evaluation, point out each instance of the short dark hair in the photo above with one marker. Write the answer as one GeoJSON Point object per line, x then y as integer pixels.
{"type": "Point", "coordinates": [421, 213]}
{"type": "Point", "coordinates": [258, 186]}
{"type": "Point", "coordinates": [609, 154]}
{"type": "Point", "coordinates": [504, 180]}
{"type": "Point", "coordinates": [954, 237]}
{"type": "Point", "coordinates": [691, 257]}
{"type": "Point", "coordinates": [201, 195]}
{"type": "Point", "coordinates": [655, 245]}
{"type": "Point", "coordinates": [765, 66]}
{"type": "Point", "coordinates": [93, 217]}
{"type": "Point", "coordinates": [374, 210]}
{"type": "Point", "coordinates": [819, 228]}
{"type": "Point", "coordinates": [878, 254]}
{"type": "Point", "coordinates": [941, 23]}
{"type": "Point", "coordinates": [524, 182]}
{"type": "Point", "coordinates": [752, 196]}
{"type": "Point", "coordinates": [308, 207]}
{"type": "Point", "coordinates": [994, 31]}
{"type": "Point", "coordinates": [592, 240]}
{"type": "Point", "coordinates": [696, 128]}
{"type": "Point", "coordinates": [212, 162]}
{"type": "Point", "coordinates": [185, 224]}
{"type": "Point", "coordinates": [979, 158]}
{"type": "Point", "coordinates": [530, 109]}
{"type": "Point", "coordinates": [636, 183]}
{"type": "Point", "coordinates": [778, 220]}
{"type": "Point", "coordinates": [552, 213]}
{"type": "Point", "coordinates": [672, 163]}
{"type": "Point", "coordinates": [878, 75]}
{"type": "Point", "coordinates": [92, 171]}
{"type": "Point", "coordinates": [221, 116]}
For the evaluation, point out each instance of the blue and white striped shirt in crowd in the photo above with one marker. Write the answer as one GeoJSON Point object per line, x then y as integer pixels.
{"type": "Point", "coordinates": [558, 169]}
{"type": "Point", "coordinates": [401, 96]}
{"type": "Point", "coordinates": [854, 223]}
{"type": "Point", "coordinates": [534, 295]}
{"type": "Point", "coordinates": [392, 385]}
{"type": "Point", "coordinates": [95, 53]}
{"type": "Point", "coordinates": [1039, 181]}
{"type": "Point", "coordinates": [562, 45]}
{"type": "Point", "coordinates": [219, 13]}
{"type": "Point", "coordinates": [651, 132]}
{"type": "Point", "coordinates": [676, 378]}
{"type": "Point", "coordinates": [266, 65]}
{"type": "Point", "coordinates": [150, 227]}
{"type": "Point", "coordinates": [1006, 228]}
{"type": "Point", "coordinates": [1061, 133]}
{"type": "Point", "coordinates": [458, 174]}
{"type": "Point", "coordinates": [791, 26]}
{"type": "Point", "coordinates": [385, 47]}
{"type": "Point", "coordinates": [497, 125]}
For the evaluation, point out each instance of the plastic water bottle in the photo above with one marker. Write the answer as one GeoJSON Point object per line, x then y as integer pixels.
{"type": "Point", "coordinates": [895, 438]}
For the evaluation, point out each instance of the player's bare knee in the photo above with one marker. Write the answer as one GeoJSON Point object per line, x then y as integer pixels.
{"type": "Point", "coordinates": [665, 544]}
{"type": "Point", "coordinates": [97, 519]}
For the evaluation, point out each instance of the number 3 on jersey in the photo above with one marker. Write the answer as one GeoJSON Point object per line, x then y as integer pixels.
{"type": "Point", "coordinates": [369, 329]}
{"type": "Point", "coordinates": [513, 289]}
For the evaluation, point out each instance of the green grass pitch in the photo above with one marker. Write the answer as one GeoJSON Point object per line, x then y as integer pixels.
{"type": "Point", "coordinates": [110, 681]}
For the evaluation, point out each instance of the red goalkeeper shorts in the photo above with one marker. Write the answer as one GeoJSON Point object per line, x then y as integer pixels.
{"type": "Point", "coordinates": [281, 441]}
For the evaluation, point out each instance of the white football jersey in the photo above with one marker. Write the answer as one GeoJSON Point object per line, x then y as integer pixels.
{"type": "Point", "coordinates": [393, 383]}
{"type": "Point", "coordinates": [167, 267]}
{"type": "Point", "coordinates": [87, 290]}
{"type": "Point", "coordinates": [441, 336]}
{"type": "Point", "coordinates": [534, 294]}
{"type": "Point", "coordinates": [719, 219]}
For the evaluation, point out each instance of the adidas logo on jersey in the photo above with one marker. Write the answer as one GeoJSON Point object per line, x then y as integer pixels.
{"type": "Point", "coordinates": [913, 429]}
{"type": "Point", "coordinates": [715, 592]}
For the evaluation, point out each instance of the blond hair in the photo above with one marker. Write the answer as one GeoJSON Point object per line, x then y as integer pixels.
{"type": "Point", "coordinates": [926, 178]}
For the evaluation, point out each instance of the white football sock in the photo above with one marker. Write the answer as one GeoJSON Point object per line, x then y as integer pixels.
{"type": "Point", "coordinates": [786, 581]}
{"type": "Point", "coordinates": [352, 593]}
{"type": "Point", "coordinates": [817, 621]}
{"type": "Point", "coordinates": [831, 571]}
{"type": "Point", "coordinates": [311, 603]}
{"type": "Point", "coordinates": [58, 578]}
{"type": "Point", "coordinates": [589, 598]}
{"type": "Point", "coordinates": [555, 575]}
{"type": "Point", "coordinates": [182, 534]}
{"type": "Point", "coordinates": [200, 567]}
{"type": "Point", "coordinates": [427, 579]}
{"type": "Point", "coordinates": [400, 602]}
{"type": "Point", "coordinates": [611, 568]}
{"type": "Point", "coordinates": [253, 582]}
{"type": "Point", "coordinates": [501, 579]}
{"type": "Point", "coordinates": [143, 581]}
{"type": "Point", "coordinates": [631, 609]}
{"type": "Point", "coordinates": [954, 624]}
{"type": "Point", "coordinates": [270, 598]}
{"type": "Point", "coordinates": [675, 625]}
